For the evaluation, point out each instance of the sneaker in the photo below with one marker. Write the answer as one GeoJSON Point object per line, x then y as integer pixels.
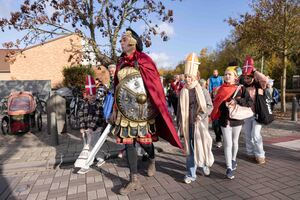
{"type": "Point", "coordinates": [205, 170]}
{"type": "Point", "coordinates": [100, 162]}
{"type": "Point", "coordinates": [260, 160]}
{"type": "Point", "coordinates": [229, 173]}
{"type": "Point", "coordinates": [120, 154]}
{"type": "Point", "coordinates": [219, 145]}
{"type": "Point", "coordinates": [188, 179]}
{"type": "Point", "coordinates": [83, 171]}
{"type": "Point", "coordinates": [234, 165]}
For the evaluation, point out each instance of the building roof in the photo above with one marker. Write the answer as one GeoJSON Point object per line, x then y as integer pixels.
{"type": "Point", "coordinates": [4, 62]}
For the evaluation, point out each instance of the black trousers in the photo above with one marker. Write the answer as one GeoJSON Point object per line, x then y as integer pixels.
{"type": "Point", "coordinates": [132, 155]}
{"type": "Point", "coordinates": [217, 129]}
{"type": "Point", "coordinates": [174, 101]}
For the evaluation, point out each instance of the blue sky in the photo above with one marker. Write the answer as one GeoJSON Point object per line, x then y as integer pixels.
{"type": "Point", "coordinates": [197, 24]}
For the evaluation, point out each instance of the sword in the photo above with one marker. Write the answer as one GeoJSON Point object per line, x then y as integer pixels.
{"type": "Point", "coordinates": [97, 146]}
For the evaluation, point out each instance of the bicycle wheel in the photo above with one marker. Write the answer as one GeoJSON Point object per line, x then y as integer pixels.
{"type": "Point", "coordinates": [39, 121]}
{"type": "Point", "coordinates": [5, 125]}
{"type": "Point", "coordinates": [74, 121]}
{"type": "Point", "coordinates": [42, 106]}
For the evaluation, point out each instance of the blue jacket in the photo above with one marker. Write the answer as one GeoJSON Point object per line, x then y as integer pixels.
{"type": "Point", "coordinates": [214, 82]}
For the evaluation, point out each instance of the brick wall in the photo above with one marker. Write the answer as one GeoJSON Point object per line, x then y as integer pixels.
{"type": "Point", "coordinates": [46, 62]}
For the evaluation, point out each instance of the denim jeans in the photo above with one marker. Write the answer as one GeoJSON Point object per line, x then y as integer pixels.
{"type": "Point", "coordinates": [253, 138]}
{"type": "Point", "coordinates": [190, 162]}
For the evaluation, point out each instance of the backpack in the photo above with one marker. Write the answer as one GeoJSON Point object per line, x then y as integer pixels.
{"type": "Point", "coordinates": [263, 111]}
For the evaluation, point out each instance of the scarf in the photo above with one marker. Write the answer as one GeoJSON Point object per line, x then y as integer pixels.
{"type": "Point", "coordinates": [202, 139]}
{"type": "Point", "coordinates": [224, 93]}
{"type": "Point", "coordinates": [184, 107]}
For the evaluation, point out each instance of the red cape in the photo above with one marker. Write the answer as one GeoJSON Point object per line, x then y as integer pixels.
{"type": "Point", "coordinates": [164, 124]}
{"type": "Point", "coordinates": [224, 93]}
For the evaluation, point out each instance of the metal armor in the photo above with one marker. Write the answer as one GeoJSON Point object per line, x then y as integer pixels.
{"type": "Point", "coordinates": [136, 114]}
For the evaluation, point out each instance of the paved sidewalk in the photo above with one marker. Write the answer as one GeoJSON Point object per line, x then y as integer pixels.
{"type": "Point", "coordinates": [26, 171]}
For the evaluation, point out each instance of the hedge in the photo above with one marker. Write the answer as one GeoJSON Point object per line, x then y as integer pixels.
{"type": "Point", "coordinates": [75, 76]}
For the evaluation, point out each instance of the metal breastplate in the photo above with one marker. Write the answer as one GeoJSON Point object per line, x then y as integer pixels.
{"type": "Point", "coordinates": [135, 111]}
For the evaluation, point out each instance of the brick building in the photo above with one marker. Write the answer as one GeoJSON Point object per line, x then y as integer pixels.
{"type": "Point", "coordinates": [43, 61]}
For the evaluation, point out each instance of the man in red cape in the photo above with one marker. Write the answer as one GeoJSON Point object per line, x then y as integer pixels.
{"type": "Point", "coordinates": [134, 60]}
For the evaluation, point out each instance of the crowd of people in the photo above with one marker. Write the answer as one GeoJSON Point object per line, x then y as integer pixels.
{"type": "Point", "coordinates": [140, 114]}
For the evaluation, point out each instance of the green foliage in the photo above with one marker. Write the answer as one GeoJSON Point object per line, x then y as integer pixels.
{"type": "Point", "coordinates": [168, 77]}
{"type": "Point", "coordinates": [75, 76]}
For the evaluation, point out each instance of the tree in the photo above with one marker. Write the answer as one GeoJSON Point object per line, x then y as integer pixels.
{"type": "Point", "coordinates": [90, 18]}
{"type": "Point", "coordinates": [273, 27]}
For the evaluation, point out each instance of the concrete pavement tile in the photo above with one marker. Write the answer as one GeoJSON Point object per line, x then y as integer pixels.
{"type": "Point", "coordinates": [160, 190]}
{"type": "Point", "coordinates": [54, 186]}
{"type": "Point", "coordinates": [40, 182]}
{"type": "Point", "coordinates": [72, 190]}
{"type": "Point", "coordinates": [95, 186]}
{"type": "Point", "coordinates": [176, 196]}
{"type": "Point", "coordinates": [81, 188]}
{"type": "Point", "coordinates": [108, 184]}
{"type": "Point", "coordinates": [42, 195]}
{"type": "Point", "coordinates": [57, 193]}
{"type": "Point", "coordinates": [90, 180]}
{"type": "Point", "coordinates": [186, 195]}
{"type": "Point", "coordinates": [112, 197]}
{"type": "Point", "coordinates": [77, 182]}
{"type": "Point", "coordinates": [73, 176]}
{"type": "Point", "coordinates": [264, 191]}
{"type": "Point", "coordinates": [58, 173]}
{"type": "Point", "coordinates": [48, 180]}
{"type": "Point", "coordinates": [241, 194]}
{"type": "Point", "coordinates": [258, 198]}
{"type": "Point", "coordinates": [92, 195]}
{"type": "Point", "coordinates": [120, 197]}
{"type": "Point", "coordinates": [101, 193]}
{"type": "Point", "coordinates": [61, 198]}
{"type": "Point", "coordinates": [81, 195]}
{"type": "Point", "coordinates": [293, 183]}
{"type": "Point", "coordinates": [228, 198]}
{"type": "Point", "coordinates": [98, 178]}
{"type": "Point", "coordinates": [295, 196]}
{"type": "Point", "coordinates": [143, 196]}
{"type": "Point", "coordinates": [64, 184]}
{"type": "Point", "coordinates": [270, 196]}
{"type": "Point", "coordinates": [40, 188]}
{"type": "Point", "coordinates": [32, 196]}
{"type": "Point", "coordinates": [251, 193]}
{"type": "Point", "coordinates": [256, 186]}
{"type": "Point", "coordinates": [151, 191]}
{"type": "Point", "coordinates": [289, 191]}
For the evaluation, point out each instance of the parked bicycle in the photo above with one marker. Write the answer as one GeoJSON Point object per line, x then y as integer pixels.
{"type": "Point", "coordinates": [5, 118]}
{"type": "Point", "coordinates": [41, 106]}
{"type": "Point", "coordinates": [76, 103]}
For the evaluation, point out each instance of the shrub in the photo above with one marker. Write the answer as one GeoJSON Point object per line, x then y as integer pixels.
{"type": "Point", "coordinates": [75, 76]}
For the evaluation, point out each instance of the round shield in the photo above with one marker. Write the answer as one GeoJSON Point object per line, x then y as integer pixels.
{"type": "Point", "coordinates": [132, 99]}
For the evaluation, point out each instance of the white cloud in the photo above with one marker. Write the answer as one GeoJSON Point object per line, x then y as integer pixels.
{"type": "Point", "coordinates": [162, 60]}
{"type": "Point", "coordinates": [168, 28]}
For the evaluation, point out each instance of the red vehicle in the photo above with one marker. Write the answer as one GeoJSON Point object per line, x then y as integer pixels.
{"type": "Point", "coordinates": [20, 113]}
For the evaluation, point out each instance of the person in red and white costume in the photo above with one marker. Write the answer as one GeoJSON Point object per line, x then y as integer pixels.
{"type": "Point", "coordinates": [90, 120]}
